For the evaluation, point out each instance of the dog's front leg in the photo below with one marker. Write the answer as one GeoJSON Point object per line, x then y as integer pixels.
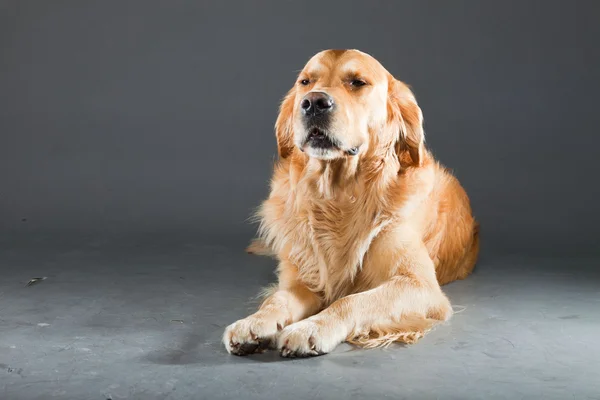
{"type": "Point", "coordinates": [401, 309]}
{"type": "Point", "coordinates": [291, 302]}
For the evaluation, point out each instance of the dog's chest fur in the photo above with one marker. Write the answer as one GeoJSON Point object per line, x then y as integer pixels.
{"type": "Point", "coordinates": [324, 232]}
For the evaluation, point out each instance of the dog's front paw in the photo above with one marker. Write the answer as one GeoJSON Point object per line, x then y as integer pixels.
{"type": "Point", "coordinates": [305, 339]}
{"type": "Point", "coordinates": [253, 334]}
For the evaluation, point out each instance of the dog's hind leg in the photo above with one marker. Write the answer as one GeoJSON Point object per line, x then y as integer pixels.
{"type": "Point", "coordinates": [259, 247]}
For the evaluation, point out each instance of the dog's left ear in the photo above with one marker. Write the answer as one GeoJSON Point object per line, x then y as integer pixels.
{"type": "Point", "coordinates": [284, 125]}
{"type": "Point", "coordinates": [405, 115]}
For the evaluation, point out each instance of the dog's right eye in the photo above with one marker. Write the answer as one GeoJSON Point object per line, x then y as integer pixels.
{"type": "Point", "coordinates": [304, 82]}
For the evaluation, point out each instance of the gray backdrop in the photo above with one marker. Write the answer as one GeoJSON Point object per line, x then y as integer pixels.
{"type": "Point", "coordinates": [121, 117]}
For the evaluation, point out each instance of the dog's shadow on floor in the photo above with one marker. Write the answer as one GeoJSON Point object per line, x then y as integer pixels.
{"type": "Point", "coordinates": [194, 349]}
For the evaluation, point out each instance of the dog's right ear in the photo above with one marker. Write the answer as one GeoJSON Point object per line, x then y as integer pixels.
{"type": "Point", "coordinates": [284, 130]}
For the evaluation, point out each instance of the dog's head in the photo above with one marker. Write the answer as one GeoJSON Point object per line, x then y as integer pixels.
{"type": "Point", "coordinates": [345, 103]}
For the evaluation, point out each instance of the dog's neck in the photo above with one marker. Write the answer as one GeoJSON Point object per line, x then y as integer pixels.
{"type": "Point", "coordinates": [332, 178]}
{"type": "Point", "coordinates": [347, 177]}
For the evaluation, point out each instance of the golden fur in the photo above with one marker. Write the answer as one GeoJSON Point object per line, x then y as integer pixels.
{"type": "Point", "coordinates": [363, 241]}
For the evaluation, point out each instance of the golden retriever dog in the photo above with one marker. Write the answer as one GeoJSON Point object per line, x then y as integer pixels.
{"type": "Point", "coordinates": [365, 224]}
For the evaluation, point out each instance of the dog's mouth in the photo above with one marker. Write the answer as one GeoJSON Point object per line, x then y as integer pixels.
{"type": "Point", "coordinates": [319, 139]}
{"type": "Point", "coordinates": [321, 144]}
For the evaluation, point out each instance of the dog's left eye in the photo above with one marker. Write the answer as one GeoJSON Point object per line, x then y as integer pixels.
{"type": "Point", "coordinates": [357, 82]}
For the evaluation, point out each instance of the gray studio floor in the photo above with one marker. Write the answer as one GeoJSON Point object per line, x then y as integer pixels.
{"type": "Point", "coordinates": [131, 318]}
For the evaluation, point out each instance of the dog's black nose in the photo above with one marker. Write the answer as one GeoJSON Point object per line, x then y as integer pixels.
{"type": "Point", "coordinates": [316, 103]}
